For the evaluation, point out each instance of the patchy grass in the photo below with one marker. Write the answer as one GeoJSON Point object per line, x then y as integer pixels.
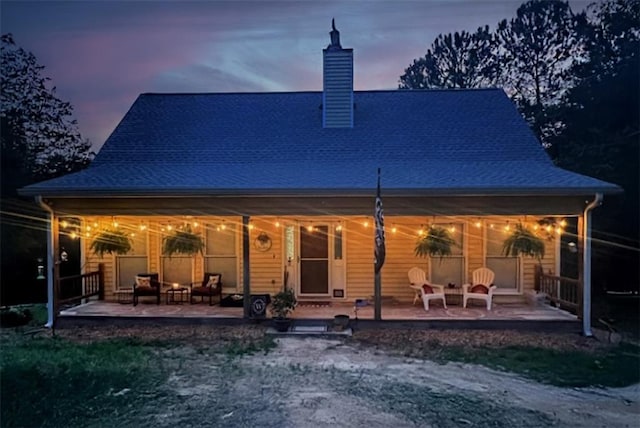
{"type": "Point", "coordinates": [614, 367]}
{"type": "Point", "coordinates": [26, 316]}
{"type": "Point", "coordinates": [52, 382]}
{"type": "Point", "coordinates": [82, 377]}
{"type": "Point", "coordinates": [238, 348]}
{"type": "Point", "coordinates": [423, 406]}
{"type": "Point", "coordinates": [203, 375]}
{"type": "Point", "coordinates": [40, 315]}
{"type": "Point", "coordinates": [558, 359]}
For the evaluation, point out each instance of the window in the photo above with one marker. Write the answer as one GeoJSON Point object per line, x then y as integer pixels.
{"type": "Point", "coordinates": [337, 243]}
{"type": "Point", "coordinates": [176, 268]}
{"type": "Point", "coordinates": [134, 262]}
{"type": "Point", "coordinates": [506, 268]}
{"type": "Point", "coordinates": [450, 269]}
{"type": "Point", "coordinates": [221, 253]}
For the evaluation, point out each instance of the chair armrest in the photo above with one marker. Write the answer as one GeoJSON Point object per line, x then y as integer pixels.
{"type": "Point", "coordinates": [216, 290]}
{"type": "Point", "coordinates": [465, 288]}
{"type": "Point", "coordinates": [438, 286]}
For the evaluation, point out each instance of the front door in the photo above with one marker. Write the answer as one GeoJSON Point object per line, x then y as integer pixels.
{"type": "Point", "coordinates": [314, 260]}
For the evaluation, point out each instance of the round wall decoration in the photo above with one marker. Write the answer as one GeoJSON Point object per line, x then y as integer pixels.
{"type": "Point", "coordinates": [262, 242]}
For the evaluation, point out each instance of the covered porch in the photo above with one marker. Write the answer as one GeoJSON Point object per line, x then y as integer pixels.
{"type": "Point", "coordinates": [478, 223]}
{"type": "Point", "coordinates": [505, 313]}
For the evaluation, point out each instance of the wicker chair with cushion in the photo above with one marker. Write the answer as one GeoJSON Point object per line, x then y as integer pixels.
{"type": "Point", "coordinates": [146, 284]}
{"type": "Point", "coordinates": [210, 287]}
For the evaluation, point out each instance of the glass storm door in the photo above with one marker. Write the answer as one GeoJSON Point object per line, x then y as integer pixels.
{"type": "Point", "coordinates": [314, 261]}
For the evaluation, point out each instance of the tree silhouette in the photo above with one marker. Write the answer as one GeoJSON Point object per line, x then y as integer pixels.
{"type": "Point", "coordinates": [39, 140]}
{"type": "Point", "coordinates": [602, 117]}
{"type": "Point", "coordinates": [537, 48]}
{"type": "Point", "coordinates": [458, 60]}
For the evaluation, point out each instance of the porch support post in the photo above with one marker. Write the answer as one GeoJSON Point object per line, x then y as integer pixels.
{"type": "Point", "coordinates": [51, 275]}
{"type": "Point", "coordinates": [377, 298]}
{"type": "Point", "coordinates": [51, 237]}
{"type": "Point", "coordinates": [246, 276]}
{"type": "Point", "coordinates": [55, 268]}
{"type": "Point", "coordinates": [586, 295]}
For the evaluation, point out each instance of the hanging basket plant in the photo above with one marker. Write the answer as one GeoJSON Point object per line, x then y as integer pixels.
{"type": "Point", "coordinates": [183, 241]}
{"type": "Point", "coordinates": [111, 241]}
{"type": "Point", "coordinates": [523, 241]}
{"type": "Point", "coordinates": [436, 243]}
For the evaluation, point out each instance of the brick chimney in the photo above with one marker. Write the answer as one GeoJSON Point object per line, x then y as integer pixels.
{"type": "Point", "coordinates": [337, 94]}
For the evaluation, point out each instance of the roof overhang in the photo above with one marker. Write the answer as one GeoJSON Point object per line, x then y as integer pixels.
{"type": "Point", "coordinates": [349, 204]}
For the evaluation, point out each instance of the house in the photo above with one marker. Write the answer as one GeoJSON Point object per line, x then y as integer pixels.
{"type": "Point", "coordinates": [299, 170]}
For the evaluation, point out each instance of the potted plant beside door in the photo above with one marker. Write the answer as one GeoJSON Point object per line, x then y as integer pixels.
{"type": "Point", "coordinates": [282, 304]}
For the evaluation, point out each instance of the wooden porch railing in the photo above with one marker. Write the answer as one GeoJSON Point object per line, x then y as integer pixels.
{"type": "Point", "coordinates": [560, 290]}
{"type": "Point", "coordinates": [77, 287]}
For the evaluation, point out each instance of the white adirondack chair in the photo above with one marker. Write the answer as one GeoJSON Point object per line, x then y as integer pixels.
{"type": "Point", "coordinates": [481, 276]}
{"type": "Point", "coordinates": [417, 278]}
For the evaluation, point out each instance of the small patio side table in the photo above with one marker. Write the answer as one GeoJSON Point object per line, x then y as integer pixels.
{"type": "Point", "coordinates": [453, 293]}
{"type": "Point", "coordinates": [124, 295]}
{"type": "Point", "coordinates": [177, 295]}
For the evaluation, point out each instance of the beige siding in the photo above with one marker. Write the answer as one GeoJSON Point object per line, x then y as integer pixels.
{"type": "Point", "coordinates": [400, 258]}
{"type": "Point", "coordinates": [267, 266]}
{"type": "Point", "coordinates": [359, 258]}
{"type": "Point", "coordinates": [475, 248]}
{"type": "Point", "coordinates": [548, 265]}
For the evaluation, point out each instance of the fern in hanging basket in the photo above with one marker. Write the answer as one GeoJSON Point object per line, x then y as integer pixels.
{"type": "Point", "coordinates": [437, 242]}
{"type": "Point", "coordinates": [183, 241]}
{"type": "Point", "coordinates": [111, 241]}
{"type": "Point", "coordinates": [523, 241]}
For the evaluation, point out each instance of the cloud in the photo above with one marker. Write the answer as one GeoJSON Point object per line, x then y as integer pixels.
{"type": "Point", "coordinates": [203, 78]}
{"type": "Point", "coordinates": [101, 55]}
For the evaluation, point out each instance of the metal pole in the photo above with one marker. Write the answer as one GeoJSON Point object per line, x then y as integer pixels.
{"type": "Point", "coordinates": [51, 259]}
{"type": "Point", "coordinates": [377, 292]}
{"type": "Point", "coordinates": [246, 275]}
{"type": "Point", "coordinates": [586, 296]}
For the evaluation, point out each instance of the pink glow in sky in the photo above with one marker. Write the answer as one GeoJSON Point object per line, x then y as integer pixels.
{"type": "Point", "coordinates": [101, 55]}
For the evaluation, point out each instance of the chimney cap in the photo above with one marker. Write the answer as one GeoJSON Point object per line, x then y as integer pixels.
{"type": "Point", "coordinates": [335, 36]}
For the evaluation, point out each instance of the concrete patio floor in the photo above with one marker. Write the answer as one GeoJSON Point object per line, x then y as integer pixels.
{"type": "Point", "coordinates": [390, 312]}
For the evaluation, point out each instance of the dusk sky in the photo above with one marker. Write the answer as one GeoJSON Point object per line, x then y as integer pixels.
{"type": "Point", "coordinates": [101, 54]}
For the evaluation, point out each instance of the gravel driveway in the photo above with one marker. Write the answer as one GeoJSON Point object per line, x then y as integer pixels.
{"type": "Point", "coordinates": [318, 382]}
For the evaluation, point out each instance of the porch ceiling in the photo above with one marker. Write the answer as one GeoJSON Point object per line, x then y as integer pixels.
{"type": "Point", "coordinates": [476, 205]}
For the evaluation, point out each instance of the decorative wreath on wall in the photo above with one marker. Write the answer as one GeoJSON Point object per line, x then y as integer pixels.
{"type": "Point", "coordinates": [262, 242]}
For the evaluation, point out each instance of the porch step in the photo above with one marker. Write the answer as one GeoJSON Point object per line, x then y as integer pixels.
{"type": "Point", "coordinates": [310, 330]}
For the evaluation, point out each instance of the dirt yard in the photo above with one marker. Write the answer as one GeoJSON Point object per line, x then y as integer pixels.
{"type": "Point", "coordinates": [317, 382]}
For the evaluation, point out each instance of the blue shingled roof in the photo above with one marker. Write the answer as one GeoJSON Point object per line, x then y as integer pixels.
{"type": "Point", "coordinates": [443, 141]}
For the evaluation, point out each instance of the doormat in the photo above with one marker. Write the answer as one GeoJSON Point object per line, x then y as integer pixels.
{"type": "Point", "coordinates": [315, 304]}
{"type": "Point", "coordinates": [309, 328]}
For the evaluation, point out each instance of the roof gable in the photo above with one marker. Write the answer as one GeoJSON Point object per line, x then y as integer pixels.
{"type": "Point", "coordinates": [425, 141]}
{"type": "Point", "coordinates": [462, 125]}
